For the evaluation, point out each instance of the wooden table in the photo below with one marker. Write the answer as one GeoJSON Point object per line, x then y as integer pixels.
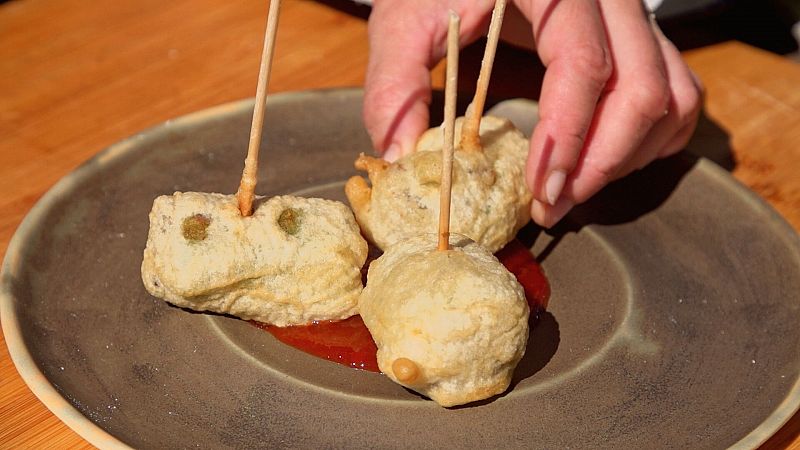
{"type": "Point", "coordinates": [77, 76]}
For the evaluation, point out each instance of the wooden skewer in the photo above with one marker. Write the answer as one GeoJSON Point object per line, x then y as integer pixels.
{"type": "Point", "coordinates": [247, 186]}
{"type": "Point", "coordinates": [470, 131]}
{"type": "Point", "coordinates": [449, 131]}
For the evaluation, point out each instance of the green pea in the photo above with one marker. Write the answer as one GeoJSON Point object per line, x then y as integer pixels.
{"type": "Point", "coordinates": [195, 227]}
{"type": "Point", "coordinates": [290, 220]}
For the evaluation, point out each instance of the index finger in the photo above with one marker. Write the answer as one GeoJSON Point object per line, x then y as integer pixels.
{"type": "Point", "coordinates": [572, 44]}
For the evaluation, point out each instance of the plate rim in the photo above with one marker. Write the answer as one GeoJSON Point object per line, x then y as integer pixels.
{"type": "Point", "coordinates": [54, 401]}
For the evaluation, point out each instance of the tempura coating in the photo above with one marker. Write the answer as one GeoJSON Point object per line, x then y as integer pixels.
{"type": "Point", "coordinates": [294, 261]}
{"type": "Point", "coordinates": [490, 200]}
{"type": "Point", "coordinates": [451, 325]}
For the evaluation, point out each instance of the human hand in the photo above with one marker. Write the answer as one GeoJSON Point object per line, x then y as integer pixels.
{"type": "Point", "coordinates": [615, 96]}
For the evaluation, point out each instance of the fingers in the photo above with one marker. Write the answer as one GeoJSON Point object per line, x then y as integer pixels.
{"type": "Point", "coordinates": [687, 96]}
{"type": "Point", "coordinates": [407, 38]}
{"type": "Point", "coordinates": [616, 94]}
{"type": "Point", "coordinates": [672, 132]}
{"type": "Point", "coordinates": [571, 43]}
{"type": "Point", "coordinates": [548, 215]}
{"type": "Point", "coordinates": [396, 96]}
{"type": "Point", "coordinates": [636, 98]}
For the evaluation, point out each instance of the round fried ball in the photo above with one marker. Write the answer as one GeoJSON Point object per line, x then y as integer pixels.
{"type": "Point", "coordinates": [451, 325]}
{"type": "Point", "coordinates": [490, 200]}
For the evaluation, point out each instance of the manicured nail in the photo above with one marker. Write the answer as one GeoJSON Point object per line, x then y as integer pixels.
{"type": "Point", "coordinates": [546, 215]}
{"type": "Point", "coordinates": [392, 153]}
{"type": "Point", "coordinates": [558, 211]}
{"type": "Point", "coordinates": [538, 211]}
{"type": "Point", "coordinates": [554, 185]}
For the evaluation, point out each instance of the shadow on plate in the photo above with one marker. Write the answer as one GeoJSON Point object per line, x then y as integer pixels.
{"type": "Point", "coordinates": [544, 337]}
{"type": "Point", "coordinates": [641, 192]}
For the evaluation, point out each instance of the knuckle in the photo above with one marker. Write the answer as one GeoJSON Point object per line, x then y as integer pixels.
{"type": "Point", "coordinates": [688, 101]}
{"type": "Point", "coordinates": [650, 99]}
{"type": "Point", "coordinates": [678, 142]}
{"type": "Point", "coordinates": [605, 171]}
{"type": "Point", "coordinates": [592, 62]}
{"type": "Point", "coordinates": [377, 98]}
{"type": "Point", "coordinates": [565, 130]}
{"type": "Point", "coordinates": [574, 140]}
{"type": "Point", "coordinates": [672, 149]}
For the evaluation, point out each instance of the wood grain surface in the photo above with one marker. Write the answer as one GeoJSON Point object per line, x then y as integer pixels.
{"type": "Point", "coordinates": [754, 96]}
{"type": "Point", "coordinates": [77, 76]}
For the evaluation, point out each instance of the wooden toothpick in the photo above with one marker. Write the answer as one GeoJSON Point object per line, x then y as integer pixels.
{"type": "Point", "coordinates": [470, 131]}
{"type": "Point", "coordinates": [449, 131]}
{"type": "Point", "coordinates": [247, 186]}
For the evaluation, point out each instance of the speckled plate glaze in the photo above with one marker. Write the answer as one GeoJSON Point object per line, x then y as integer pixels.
{"type": "Point", "coordinates": [672, 323]}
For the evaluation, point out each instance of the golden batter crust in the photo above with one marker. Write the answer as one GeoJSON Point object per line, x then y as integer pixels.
{"type": "Point", "coordinates": [451, 325]}
{"type": "Point", "coordinates": [490, 201]}
{"type": "Point", "coordinates": [295, 260]}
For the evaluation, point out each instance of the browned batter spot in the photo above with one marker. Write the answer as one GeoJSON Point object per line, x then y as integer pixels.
{"type": "Point", "coordinates": [194, 227]}
{"type": "Point", "coordinates": [289, 220]}
{"type": "Point", "coordinates": [373, 166]}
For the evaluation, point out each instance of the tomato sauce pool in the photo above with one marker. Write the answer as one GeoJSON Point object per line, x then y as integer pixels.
{"type": "Point", "coordinates": [348, 341]}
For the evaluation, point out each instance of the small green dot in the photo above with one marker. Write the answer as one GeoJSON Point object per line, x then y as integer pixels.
{"type": "Point", "coordinates": [289, 220]}
{"type": "Point", "coordinates": [194, 227]}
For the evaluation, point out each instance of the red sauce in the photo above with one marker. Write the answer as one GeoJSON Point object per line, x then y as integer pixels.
{"type": "Point", "coordinates": [348, 341]}
{"type": "Point", "coordinates": [519, 260]}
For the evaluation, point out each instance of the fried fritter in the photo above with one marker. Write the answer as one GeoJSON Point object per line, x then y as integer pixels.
{"type": "Point", "coordinates": [490, 201]}
{"type": "Point", "coordinates": [295, 260]}
{"type": "Point", "coordinates": [451, 325]}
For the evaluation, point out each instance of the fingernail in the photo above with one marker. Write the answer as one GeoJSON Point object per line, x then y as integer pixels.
{"type": "Point", "coordinates": [392, 153]}
{"type": "Point", "coordinates": [547, 215]}
{"type": "Point", "coordinates": [538, 211]}
{"type": "Point", "coordinates": [554, 185]}
{"type": "Point", "coordinates": [558, 211]}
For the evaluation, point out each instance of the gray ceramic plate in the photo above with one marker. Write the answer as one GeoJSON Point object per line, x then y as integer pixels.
{"type": "Point", "coordinates": [672, 323]}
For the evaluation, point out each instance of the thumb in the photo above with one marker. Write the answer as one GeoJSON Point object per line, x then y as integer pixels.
{"type": "Point", "coordinates": [407, 38]}
{"type": "Point", "coordinates": [397, 89]}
